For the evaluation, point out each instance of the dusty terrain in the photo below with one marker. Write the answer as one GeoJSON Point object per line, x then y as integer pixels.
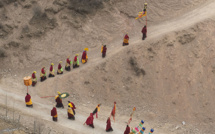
{"type": "Point", "coordinates": [168, 77]}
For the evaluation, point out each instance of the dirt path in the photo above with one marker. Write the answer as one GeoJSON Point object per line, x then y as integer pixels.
{"type": "Point", "coordinates": [182, 22]}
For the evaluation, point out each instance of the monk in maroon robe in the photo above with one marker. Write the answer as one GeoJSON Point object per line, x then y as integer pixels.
{"type": "Point", "coordinates": [144, 31]}
{"type": "Point", "coordinates": [54, 114]}
{"type": "Point", "coordinates": [58, 100]}
{"type": "Point", "coordinates": [127, 130]}
{"type": "Point", "coordinates": [60, 70]}
{"type": "Point", "coordinates": [28, 100]}
{"type": "Point", "coordinates": [51, 71]}
{"type": "Point", "coordinates": [104, 49]}
{"type": "Point", "coordinates": [125, 41]}
{"type": "Point", "coordinates": [34, 78]}
{"type": "Point", "coordinates": [42, 74]}
{"type": "Point", "coordinates": [108, 127]}
{"type": "Point", "coordinates": [68, 63]}
{"type": "Point", "coordinates": [89, 120]}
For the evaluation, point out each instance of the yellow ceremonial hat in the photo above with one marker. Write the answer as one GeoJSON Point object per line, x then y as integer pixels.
{"type": "Point", "coordinates": [52, 64]}
{"type": "Point", "coordinates": [76, 54]}
{"type": "Point", "coordinates": [60, 62]}
{"type": "Point", "coordinates": [35, 72]}
{"type": "Point", "coordinates": [58, 92]}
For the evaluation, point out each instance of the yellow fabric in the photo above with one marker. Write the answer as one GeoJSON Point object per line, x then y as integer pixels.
{"type": "Point", "coordinates": [58, 93]}
{"type": "Point", "coordinates": [140, 15]}
{"type": "Point", "coordinates": [125, 41]}
{"type": "Point", "coordinates": [102, 49]}
{"type": "Point", "coordinates": [29, 103]}
{"type": "Point", "coordinates": [55, 116]}
{"type": "Point", "coordinates": [83, 61]}
{"type": "Point", "coordinates": [59, 71]}
{"type": "Point", "coordinates": [70, 111]}
{"type": "Point", "coordinates": [98, 108]}
{"type": "Point", "coordinates": [56, 97]}
{"type": "Point", "coordinates": [70, 105]}
{"type": "Point", "coordinates": [34, 80]}
{"type": "Point", "coordinates": [67, 64]}
{"type": "Point", "coordinates": [41, 74]}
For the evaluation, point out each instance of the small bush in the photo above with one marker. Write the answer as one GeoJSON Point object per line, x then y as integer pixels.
{"type": "Point", "coordinates": [2, 53]}
{"type": "Point", "coordinates": [135, 67]}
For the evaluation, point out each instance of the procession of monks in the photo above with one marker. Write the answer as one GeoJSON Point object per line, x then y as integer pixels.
{"type": "Point", "coordinates": [71, 107]}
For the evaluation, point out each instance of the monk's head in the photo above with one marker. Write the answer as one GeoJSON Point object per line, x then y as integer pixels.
{"type": "Point", "coordinates": [27, 93]}
{"type": "Point", "coordinates": [114, 102]}
{"type": "Point", "coordinates": [68, 101]}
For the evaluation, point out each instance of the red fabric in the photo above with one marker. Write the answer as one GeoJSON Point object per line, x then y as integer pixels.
{"type": "Point", "coordinates": [127, 130]}
{"type": "Point", "coordinates": [59, 66]}
{"type": "Point", "coordinates": [73, 106]}
{"type": "Point", "coordinates": [75, 59]}
{"type": "Point", "coordinates": [43, 71]}
{"type": "Point", "coordinates": [51, 68]}
{"type": "Point", "coordinates": [144, 30]}
{"type": "Point", "coordinates": [53, 111]}
{"type": "Point", "coordinates": [68, 61]}
{"type": "Point", "coordinates": [89, 120]}
{"type": "Point", "coordinates": [84, 55]}
{"type": "Point", "coordinates": [58, 100]}
{"type": "Point", "coordinates": [27, 98]}
{"type": "Point", "coordinates": [114, 110]}
{"type": "Point", "coordinates": [33, 76]}
{"type": "Point", "coordinates": [108, 124]}
{"type": "Point", "coordinates": [126, 37]}
{"type": "Point", "coordinates": [104, 50]}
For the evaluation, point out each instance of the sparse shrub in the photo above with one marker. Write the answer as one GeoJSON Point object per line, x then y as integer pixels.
{"type": "Point", "coordinates": [13, 44]}
{"type": "Point", "coordinates": [85, 7]}
{"type": "Point", "coordinates": [2, 53]}
{"type": "Point", "coordinates": [135, 67]}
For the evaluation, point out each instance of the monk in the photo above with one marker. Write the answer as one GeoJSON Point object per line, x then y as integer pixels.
{"type": "Point", "coordinates": [28, 101]}
{"type": "Point", "coordinates": [97, 110]}
{"type": "Point", "coordinates": [68, 63]}
{"type": "Point", "coordinates": [54, 114]}
{"type": "Point", "coordinates": [72, 105]}
{"type": "Point", "coordinates": [84, 57]}
{"type": "Point", "coordinates": [125, 41]}
{"type": "Point", "coordinates": [42, 74]}
{"type": "Point", "coordinates": [104, 49]}
{"type": "Point", "coordinates": [76, 61]}
{"type": "Point", "coordinates": [144, 32]}
{"type": "Point", "coordinates": [34, 78]}
{"type": "Point", "coordinates": [108, 127]}
{"type": "Point", "coordinates": [113, 113]}
{"type": "Point", "coordinates": [51, 70]}
{"type": "Point", "coordinates": [89, 121]}
{"type": "Point", "coordinates": [60, 69]}
{"type": "Point", "coordinates": [70, 113]}
{"type": "Point", "coordinates": [127, 130]}
{"type": "Point", "coordinates": [58, 100]}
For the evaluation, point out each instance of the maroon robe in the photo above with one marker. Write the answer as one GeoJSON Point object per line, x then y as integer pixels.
{"type": "Point", "coordinates": [89, 120]}
{"type": "Point", "coordinates": [75, 59]}
{"type": "Point", "coordinates": [127, 130]}
{"type": "Point", "coordinates": [126, 37]}
{"type": "Point", "coordinates": [27, 98]}
{"type": "Point", "coordinates": [33, 76]}
{"type": "Point", "coordinates": [43, 71]}
{"type": "Point", "coordinates": [104, 50]}
{"type": "Point", "coordinates": [53, 111]}
{"type": "Point", "coordinates": [68, 61]}
{"type": "Point", "coordinates": [144, 30]}
{"type": "Point", "coordinates": [51, 68]}
{"type": "Point", "coordinates": [59, 66]}
{"type": "Point", "coordinates": [108, 127]}
{"type": "Point", "coordinates": [84, 55]}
